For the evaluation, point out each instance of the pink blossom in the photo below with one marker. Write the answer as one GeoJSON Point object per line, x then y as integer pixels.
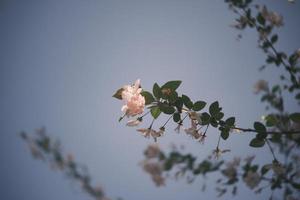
{"type": "Point", "coordinates": [134, 101]}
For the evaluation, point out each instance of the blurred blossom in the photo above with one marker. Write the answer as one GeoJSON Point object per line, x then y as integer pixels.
{"type": "Point", "coordinates": [298, 53]}
{"type": "Point", "coordinates": [231, 168]}
{"type": "Point", "coordinates": [278, 168]}
{"type": "Point", "coordinates": [155, 169]}
{"type": "Point", "coordinates": [249, 159]}
{"type": "Point", "coordinates": [194, 116]}
{"type": "Point", "coordinates": [152, 151]}
{"type": "Point", "coordinates": [134, 122]}
{"type": "Point", "coordinates": [252, 179]}
{"type": "Point", "coordinates": [218, 152]}
{"type": "Point", "coordinates": [147, 132]}
{"type": "Point", "coordinates": [274, 18]}
{"type": "Point", "coordinates": [35, 152]}
{"type": "Point", "coordinates": [158, 180]}
{"type": "Point", "coordinates": [260, 85]}
{"type": "Point", "coordinates": [202, 138]}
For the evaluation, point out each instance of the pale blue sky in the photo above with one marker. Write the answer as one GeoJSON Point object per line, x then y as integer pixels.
{"type": "Point", "coordinates": [62, 60]}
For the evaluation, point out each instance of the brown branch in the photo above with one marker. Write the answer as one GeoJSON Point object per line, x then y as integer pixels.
{"type": "Point", "coordinates": [268, 132]}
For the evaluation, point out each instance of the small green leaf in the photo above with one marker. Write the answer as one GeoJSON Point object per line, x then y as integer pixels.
{"type": "Point", "coordinates": [230, 121]}
{"type": "Point", "coordinates": [155, 112]}
{"type": "Point", "coordinates": [259, 127]}
{"type": "Point", "coordinates": [168, 165]}
{"type": "Point", "coordinates": [176, 117]}
{"type": "Point", "coordinates": [219, 116]}
{"type": "Point", "coordinates": [171, 85]}
{"type": "Point", "coordinates": [187, 101]}
{"type": "Point", "coordinates": [261, 135]}
{"type": "Point", "coordinates": [296, 185]}
{"type": "Point", "coordinates": [148, 97]}
{"type": "Point", "coordinates": [179, 104]}
{"type": "Point", "coordinates": [157, 91]}
{"type": "Point", "coordinates": [271, 120]}
{"type": "Point", "coordinates": [204, 118]}
{"type": "Point", "coordinates": [274, 38]}
{"type": "Point", "coordinates": [265, 169]}
{"type": "Point", "coordinates": [166, 109]}
{"type": "Point", "coordinates": [257, 143]}
{"type": "Point", "coordinates": [275, 88]}
{"type": "Point", "coordinates": [199, 105]}
{"type": "Point", "coordinates": [225, 134]}
{"type": "Point", "coordinates": [214, 108]}
{"type": "Point", "coordinates": [295, 117]}
{"type": "Point", "coordinates": [118, 94]}
{"type": "Point", "coordinates": [213, 122]}
{"type": "Point", "coordinates": [172, 97]}
{"type": "Point", "coordinates": [260, 19]}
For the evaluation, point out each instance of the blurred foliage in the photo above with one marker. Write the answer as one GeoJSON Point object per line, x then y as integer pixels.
{"type": "Point", "coordinates": [44, 148]}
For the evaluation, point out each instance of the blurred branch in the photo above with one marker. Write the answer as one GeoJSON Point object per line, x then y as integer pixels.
{"type": "Point", "coordinates": [44, 148]}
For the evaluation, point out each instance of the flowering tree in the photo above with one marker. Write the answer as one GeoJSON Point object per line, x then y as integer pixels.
{"type": "Point", "coordinates": [279, 130]}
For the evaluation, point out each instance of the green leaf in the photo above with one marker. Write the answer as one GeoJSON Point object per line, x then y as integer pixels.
{"type": "Point", "coordinates": [187, 101]}
{"type": "Point", "coordinates": [213, 122]}
{"type": "Point", "coordinates": [265, 169]}
{"type": "Point", "coordinates": [204, 118]}
{"type": "Point", "coordinates": [260, 19]}
{"type": "Point", "coordinates": [172, 97]}
{"type": "Point", "coordinates": [296, 185]}
{"type": "Point", "coordinates": [295, 117]}
{"type": "Point", "coordinates": [118, 93]}
{"type": "Point", "coordinates": [225, 134]}
{"type": "Point", "coordinates": [259, 127]}
{"type": "Point", "coordinates": [271, 120]}
{"type": "Point", "coordinates": [219, 116]}
{"type": "Point", "coordinates": [179, 104]}
{"type": "Point", "coordinates": [230, 121]}
{"type": "Point", "coordinates": [166, 109]}
{"type": "Point", "coordinates": [173, 85]}
{"type": "Point", "coordinates": [214, 108]}
{"type": "Point", "coordinates": [199, 105]}
{"type": "Point", "coordinates": [157, 91]}
{"type": "Point", "coordinates": [155, 112]}
{"type": "Point", "coordinates": [274, 38]}
{"type": "Point", "coordinates": [275, 88]}
{"type": "Point", "coordinates": [148, 97]}
{"type": "Point", "coordinates": [257, 143]}
{"type": "Point", "coordinates": [176, 117]}
{"type": "Point", "coordinates": [261, 136]}
{"type": "Point", "coordinates": [168, 165]}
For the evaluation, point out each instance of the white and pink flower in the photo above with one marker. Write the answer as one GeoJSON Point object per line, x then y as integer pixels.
{"type": "Point", "coordinates": [134, 101]}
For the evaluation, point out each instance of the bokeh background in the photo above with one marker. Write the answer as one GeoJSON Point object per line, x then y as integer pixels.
{"type": "Point", "coordinates": [62, 60]}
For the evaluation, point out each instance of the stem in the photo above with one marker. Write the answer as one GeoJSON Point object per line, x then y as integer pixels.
{"type": "Point", "coordinates": [151, 123]}
{"type": "Point", "coordinates": [219, 141]}
{"type": "Point", "coordinates": [268, 132]}
{"type": "Point", "coordinates": [206, 129]}
{"type": "Point", "coordinates": [184, 117]}
{"type": "Point", "coordinates": [271, 149]}
{"type": "Point", "coordinates": [167, 121]}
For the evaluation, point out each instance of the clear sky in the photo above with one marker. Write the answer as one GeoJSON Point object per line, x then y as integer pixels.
{"type": "Point", "coordinates": [61, 61]}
